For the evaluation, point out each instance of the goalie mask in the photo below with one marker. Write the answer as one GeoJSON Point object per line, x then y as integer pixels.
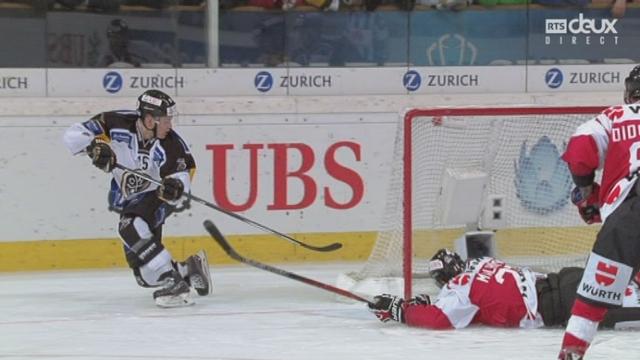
{"type": "Point", "coordinates": [445, 265]}
{"type": "Point", "coordinates": [632, 86]}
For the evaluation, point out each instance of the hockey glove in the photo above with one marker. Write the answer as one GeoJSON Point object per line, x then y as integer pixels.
{"type": "Point", "coordinates": [421, 299]}
{"type": "Point", "coordinates": [588, 202]}
{"type": "Point", "coordinates": [171, 189]}
{"type": "Point", "coordinates": [387, 307]}
{"type": "Point", "coordinates": [101, 155]}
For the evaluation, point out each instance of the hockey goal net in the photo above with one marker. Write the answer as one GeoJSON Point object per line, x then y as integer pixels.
{"type": "Point", "coordinates": [496, 170]}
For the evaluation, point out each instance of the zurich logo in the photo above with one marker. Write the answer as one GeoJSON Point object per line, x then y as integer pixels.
{"type": "Point", "coordinates": [263, 81]}
{"type": "Point", "coordinates": [543, 182]}
{"type": "Point", "coordinates": [412, 80]}
{"type": "Point", "coordinates": [112, 82]}
{"type": "Point", "coordinates": [553, 78]}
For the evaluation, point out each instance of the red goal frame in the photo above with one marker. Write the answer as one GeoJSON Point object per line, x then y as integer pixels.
{"type": "Point", "coordinates": [435, 113]}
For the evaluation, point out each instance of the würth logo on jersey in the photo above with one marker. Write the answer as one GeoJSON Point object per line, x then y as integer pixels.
{"type": "Point", "coordinates": [606, 273]}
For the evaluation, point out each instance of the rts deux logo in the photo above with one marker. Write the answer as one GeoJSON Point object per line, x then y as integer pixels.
{"type": "Point", "coordinates": [580, 30]}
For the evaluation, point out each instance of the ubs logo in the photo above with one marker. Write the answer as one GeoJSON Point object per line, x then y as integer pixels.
{"type": "Point", "coordinates": [263, 81]}
{"type": "Point", "coordinates": [412, 80]}
{"type": "Point", "coordinates": [112, 82]}
{"type": "Point", "coordinates": [553, 78]}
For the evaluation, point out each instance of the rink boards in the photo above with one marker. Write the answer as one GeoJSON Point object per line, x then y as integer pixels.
{"type": "Point", "coordinates": [322, 175]}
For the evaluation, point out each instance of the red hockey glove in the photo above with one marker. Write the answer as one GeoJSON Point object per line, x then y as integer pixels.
{"type": "Point", "coordinates": [588, 202]}
{"type": "Point", "coordinates": [387, 307]}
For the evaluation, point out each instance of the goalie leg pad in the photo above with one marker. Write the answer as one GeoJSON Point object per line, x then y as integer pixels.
{"type": "Point", "coordinates": [556, 295]}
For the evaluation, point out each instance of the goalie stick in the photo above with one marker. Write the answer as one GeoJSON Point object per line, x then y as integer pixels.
{"type": "Point", "coordinates": [224, 244]}
{"type": "Point", "coordinates": [330, 247]}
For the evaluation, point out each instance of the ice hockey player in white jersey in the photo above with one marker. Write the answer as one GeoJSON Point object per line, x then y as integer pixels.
{"type": "Point", "coordinates": [144, 140]}
{"type": "Point", "coordinates": [609, 142]}
{"type": "Point", "coordinates": [490, 292]}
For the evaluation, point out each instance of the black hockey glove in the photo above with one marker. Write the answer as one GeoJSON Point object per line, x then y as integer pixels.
{"type": "Point", "coordinates": [101, 155]}
{"type": "Point", "coordinates": [387, 307]}
{"type": "Point", "coordinates": [171, 189]}
{"type": "Point", "coordinates": [421, 299]}
{"type": "Point", "coordinates": [587, 200]}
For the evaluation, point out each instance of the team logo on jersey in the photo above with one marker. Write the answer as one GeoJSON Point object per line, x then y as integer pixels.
{"type": "Point", "coordinates": [181, 164]}
{"type": "Point", "coordinates": [263, 81]}
{"type": "Point", "coordinates": [112, 82]}
{"type": "Point", "coordinates": [542, 180]}
{"type": "Point", "coordinates": [461, 280]}
{"type": "Point", "coordinates": [132, 184]}
{"type": "Point", "coordinates": [606, 273]}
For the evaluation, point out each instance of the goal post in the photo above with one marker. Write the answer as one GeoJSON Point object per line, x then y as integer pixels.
{"type": "Point", "coordinates": [489, 178]}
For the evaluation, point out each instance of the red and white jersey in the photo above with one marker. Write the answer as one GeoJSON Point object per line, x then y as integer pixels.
{"type": "Point", "coordinates": [488, 292]}
{"type": "Point", "coordinates": [611, 142]}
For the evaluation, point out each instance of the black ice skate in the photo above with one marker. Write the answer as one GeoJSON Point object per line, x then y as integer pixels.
{"type": "Point", "coordinates": [174, 293]}
{"type": "Point", "coordinates": [198, 275]}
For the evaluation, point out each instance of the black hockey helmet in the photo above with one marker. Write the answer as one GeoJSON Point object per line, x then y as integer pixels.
{"type": "Point", "coordinates": [632, 86]}
{"type": "Point", "coordinates": [156, 103]}
{"type": "Point", "coordinates": [445, 265]}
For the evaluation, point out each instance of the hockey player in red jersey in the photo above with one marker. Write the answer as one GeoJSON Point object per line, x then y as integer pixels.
{"type": "Point", "coordinates": [490, 292]}
{"type": "Point", "coordinates": [609, 142]}
{"type": "Point", "coordinates": [144, 140]}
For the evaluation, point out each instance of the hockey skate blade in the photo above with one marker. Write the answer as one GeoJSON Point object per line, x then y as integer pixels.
{"type": "Point", "coordinates": [204, 264]}
{"type": "Point", "coordinates": [174, 301]}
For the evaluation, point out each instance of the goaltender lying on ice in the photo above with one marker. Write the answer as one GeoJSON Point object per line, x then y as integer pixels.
{"type": "Point", "coordinates": [490, 292]}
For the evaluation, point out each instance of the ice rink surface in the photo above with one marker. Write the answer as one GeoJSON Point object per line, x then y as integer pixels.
{"type": "Point", "coordinates": [253, 315]}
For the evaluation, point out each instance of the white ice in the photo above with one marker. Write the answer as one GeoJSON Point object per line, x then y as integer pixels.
{"type": "Point", "coordinates": [253, 315]}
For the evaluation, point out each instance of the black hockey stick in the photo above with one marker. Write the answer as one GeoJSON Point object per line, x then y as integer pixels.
{"type": "Point", "coordinates": [330, 247]}
{"type": "Point", "coordinates": [219, 238]}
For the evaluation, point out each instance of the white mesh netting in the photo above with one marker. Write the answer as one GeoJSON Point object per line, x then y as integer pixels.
{"type": "Point", "coordinates": [519, 150]}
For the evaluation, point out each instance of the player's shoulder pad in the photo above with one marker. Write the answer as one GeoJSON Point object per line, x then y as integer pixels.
{"type": "Point", "coordinates": [125, 119]}
{"type": "Point", "coordinates": [174, 137]}
{"type": "Point", "coordinates": [613, 112]}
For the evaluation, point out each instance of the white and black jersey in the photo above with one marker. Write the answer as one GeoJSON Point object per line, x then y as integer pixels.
{"type": "Point", "coordinates": [157, 158]}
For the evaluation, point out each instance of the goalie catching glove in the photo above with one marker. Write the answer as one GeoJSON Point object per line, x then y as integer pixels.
{"type": "Point", "coordinates": [101, 155]}
{"type": "Point", "coordinates": [387, 307]}
{"type": "Point", "coordinates": [587, 200]}
{"type": "Point", "coordinates": [171, 189]}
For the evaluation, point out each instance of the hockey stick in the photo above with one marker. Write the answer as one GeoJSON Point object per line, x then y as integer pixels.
{"type": "Point", "coordinates": [224, 244]}
{"type": "Point", "coordinates": [330, 247]}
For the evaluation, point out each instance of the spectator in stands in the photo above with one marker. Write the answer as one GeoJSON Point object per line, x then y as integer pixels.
{"type": "Point", "coordinates": [618, 7]}
{"type": "Point", "coordinates": [126, 52]}
{"type": "Point", "coordinates": [118, 37]}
